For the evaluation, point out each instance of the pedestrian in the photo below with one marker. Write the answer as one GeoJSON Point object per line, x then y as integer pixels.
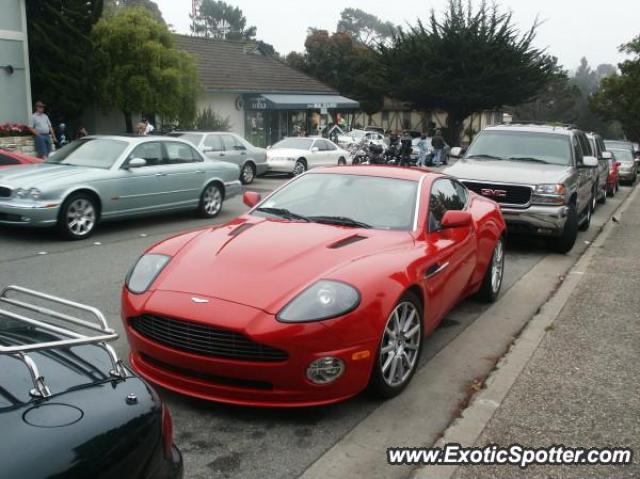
{"type": "Point", "coordinates": [81, 133]}
{"type": "Point", "coordinates": [423, 147]}
{"type": "Point", "coordinates": [62, 137]}
{"type": "Point", "coordinates": [406, 148]}
{"type": "Point", "coordinates": [148, 127]}
{"type": "Point", "coordinates": [141, 129]}
{"type": "Point", "coordinates": [438, 144]}
{"type": "Point", "coordinates": [42, 130]}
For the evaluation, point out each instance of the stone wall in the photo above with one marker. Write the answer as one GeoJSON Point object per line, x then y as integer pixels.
{"type": "Point", "coordinates": [22, 144]}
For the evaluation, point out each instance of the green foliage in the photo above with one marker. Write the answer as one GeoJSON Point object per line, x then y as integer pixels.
{"type": "Point", "coordinates": [365, 27]}
{"type": "Point", "coordinates": [111, 7]}
{"type": "Point", "coordinates": [209, 120]}
{"type": "Point", "coordinates": [140, 70]}
{"type": "Point", "coordinates": [60, 51]}
{"type": "Point", "coordinates": [218, 19]}
{"type": "Point", "coordinates": [345, 64]}
{"type": "Point", "coordinates": [466, 62]}
{"type": "Point", "coordinates": [619, 95]}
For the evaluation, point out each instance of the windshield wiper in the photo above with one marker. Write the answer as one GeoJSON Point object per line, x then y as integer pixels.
{"type": "Point", "coordinates": [283, 213]}
{"type": "Point", "coordinates": [486, 157]}
{"type": "Point", "coordinates": [527, 158]}
{"type": "Point", "coordinates": [339, 220]}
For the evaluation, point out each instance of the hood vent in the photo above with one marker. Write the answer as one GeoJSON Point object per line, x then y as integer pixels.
{"type": "Point", "coordinates": [347, 241]}
{"type": "Point", "coordinates": [240, 229]}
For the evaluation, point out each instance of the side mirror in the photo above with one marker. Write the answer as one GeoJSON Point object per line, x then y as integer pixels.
{"type": "Point", "coordinates": [456, 152]}
{"type": "Point", "coordinates": [456, 219]}
{"type": "Point", "coordinates": [607, 155]}
{"type": "Point", "coordinates": [136, 163]}
{"type": "Point", "coordinates": [251, 198]}
{"type": "Point", "coordinates": [315, 149]}
{"type": "Point", "coordinates": [269, 147]}
{"type": "Point", "coordinates": [590, 161]}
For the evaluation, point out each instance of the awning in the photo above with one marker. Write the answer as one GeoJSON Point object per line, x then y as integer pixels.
{"type": "Point", "coordinates": [268, 101]}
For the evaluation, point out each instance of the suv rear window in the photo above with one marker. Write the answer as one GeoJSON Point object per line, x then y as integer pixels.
{"type": "Point", "coordinates": [548, 147]}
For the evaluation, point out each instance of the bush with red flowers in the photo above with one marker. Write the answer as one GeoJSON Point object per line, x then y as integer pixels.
{"type": "Point", "coordinates": [14, 129]}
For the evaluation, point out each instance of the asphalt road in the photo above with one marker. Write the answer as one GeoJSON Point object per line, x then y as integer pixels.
{"type": "Point", "coordinates": [216, 440]}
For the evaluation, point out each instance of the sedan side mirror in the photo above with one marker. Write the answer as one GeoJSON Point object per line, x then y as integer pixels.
{"type": "Point", "coordinates": [136, 163]}
{"type": "Point", "coordinates": [456, 152]}
{"type": "Point", "coordinates": [251, 198]}
{"type": "Point", "coordinates": [590, 161]}
{"type": "Point", "coordinates": [315, 149]}
{"type": "Point", "coordinates": [607, 155]}
{"type": "Point", "coordinates": [456, 219]}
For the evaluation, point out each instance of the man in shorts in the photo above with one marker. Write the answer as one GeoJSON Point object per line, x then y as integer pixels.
{"type": "Point", "coordinates": [42, 130]}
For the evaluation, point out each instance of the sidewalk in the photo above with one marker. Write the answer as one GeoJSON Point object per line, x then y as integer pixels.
{"type": "Point", "coordinates": [581, 388]}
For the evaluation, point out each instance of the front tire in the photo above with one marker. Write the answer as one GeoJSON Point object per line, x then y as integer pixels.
{"type": "Point", "coordinates": [584, 226]}
{"type": "Point", "coordinates": [247, 174]}
{"type": "Point", "coordinates": [342, 162]}
{"type": "Point", "coordinates": [399, 350]}
{"type": "Point", "coordinates": [78, 217]}
{"type": "Point", "coordinates": [567, 239]}
{"type": "Point", "coordinates": [299, 168]}
{"type": "Point", "coordinates": [492, 281]}
{"type": "Point", "coordinates": [211, 201]}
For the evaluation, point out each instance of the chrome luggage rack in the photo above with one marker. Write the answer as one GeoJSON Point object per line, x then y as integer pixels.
{"type": "Point", "coordinates": [70, 338]}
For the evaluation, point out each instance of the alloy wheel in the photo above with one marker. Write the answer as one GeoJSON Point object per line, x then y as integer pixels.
{"type": "Point", "coordinates": [212, 200]}
{"type": "Point", "coordinates": [497, 267]}
{"type": "Point", "coordinates": [400, 344]}
{"type": "Point", "coordinates": [80, 217]}
{"type": "Point", "coordinates": [247, 174]}
{"type": "Point", "coordinates": [299, 168]}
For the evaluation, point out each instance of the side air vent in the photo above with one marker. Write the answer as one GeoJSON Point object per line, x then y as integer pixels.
{"type": "Point", "coordinates": [347, 241]}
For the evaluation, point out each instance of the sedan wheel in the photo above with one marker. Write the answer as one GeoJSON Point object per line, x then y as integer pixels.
{"type": "Point", "coordinates": [299, 168]}
{"type": "Point", "coordinates": [399, 350]}
{"type": "Point", "coordinates": [78, 217]}
{"type": "Point", "coordinates": [342, 162]}
{"type": "Point", "coordinates": [492, 282]}
{"type": "Point", "coordinates": [248, 174]}
{"type": "Point", "coordinates": [210, 201]}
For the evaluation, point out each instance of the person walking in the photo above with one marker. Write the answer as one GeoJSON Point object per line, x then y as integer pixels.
{"type": "Point", "coordinates": [423, 146]}
{"type": "Point", "coordinates": [438, 144]}
{"type": "Point", "coordinates": [42, 130]}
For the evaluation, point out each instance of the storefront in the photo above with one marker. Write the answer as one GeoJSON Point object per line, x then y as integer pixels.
{"type": "Point", "coordinates": [271, 117]}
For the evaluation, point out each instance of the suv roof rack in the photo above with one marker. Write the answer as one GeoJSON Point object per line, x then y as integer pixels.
{"type": "Point", "coordinates": [550, 124]}
{"type": "Point", "coordinates": [69, 337]}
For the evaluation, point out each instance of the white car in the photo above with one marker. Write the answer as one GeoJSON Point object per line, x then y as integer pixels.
{"type": "Point", "coordinates": [355, 136]}
{"type": "Point", "coordinates": [297, 155]}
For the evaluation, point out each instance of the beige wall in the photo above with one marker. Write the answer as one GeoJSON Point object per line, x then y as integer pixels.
{"type": "Point", "coordinates": [224, 105]}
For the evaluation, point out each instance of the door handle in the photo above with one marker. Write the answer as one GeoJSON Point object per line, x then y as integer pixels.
{"type": "Point", "coordinates": [222, 154]}
{"type": "Point", "coordinates": [435, 269]}
{"type": "Point", "coordinates": [161, 174]}
{"type": "Point", "coordinates": [244, 153]}
{"type": "Point", "coordinates": [199, 171]}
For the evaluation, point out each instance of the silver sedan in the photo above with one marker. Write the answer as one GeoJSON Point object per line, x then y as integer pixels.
{"type": "Point", "coordinates": [100, 178]}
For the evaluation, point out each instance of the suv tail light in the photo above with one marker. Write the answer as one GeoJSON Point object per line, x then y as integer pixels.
{"type": "Point", "coordinates": [167, 432]}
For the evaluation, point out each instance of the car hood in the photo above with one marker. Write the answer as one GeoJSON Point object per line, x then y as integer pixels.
{"type": "Point", "coordinates": [42, 173]}
{"type": "Point", "coordinates": [505, 171]}
{"type": "Point", "coordinates": [262, 263]}
{"type": "Point", "coordinates": [285, 152]}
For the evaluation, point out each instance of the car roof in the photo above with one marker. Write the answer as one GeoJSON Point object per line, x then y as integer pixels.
{"type": "Point", "coordinates": [533, 128]}
{"type": "Point", "coordinates": [396, 172]}
{"type": "Point", "coordinates": [135, 139]}
{"type": "Point", "coordinates": [200, 132]}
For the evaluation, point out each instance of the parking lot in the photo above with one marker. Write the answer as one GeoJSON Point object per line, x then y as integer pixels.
{"type": "Point", "coordinates": [224, 441]}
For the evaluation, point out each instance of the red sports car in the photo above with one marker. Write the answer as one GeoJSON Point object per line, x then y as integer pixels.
{"type": "Point", "coordinates": [321, 290]}
{"type": "Point", "coordinates": [12, 158]}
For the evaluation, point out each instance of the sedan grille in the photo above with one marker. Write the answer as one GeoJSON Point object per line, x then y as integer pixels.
{"type": "Point", "coordinates": [5, 192]}
{"type": "Point", "coordinates": [205, 340]}
{"type": "Point", "coordinates": [503, 194]}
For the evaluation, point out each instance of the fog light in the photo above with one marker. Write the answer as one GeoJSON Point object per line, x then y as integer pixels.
{"type": "Point", "coordinates": [25, 219]}
{"type": "Point", "coordinates": [325, 370]}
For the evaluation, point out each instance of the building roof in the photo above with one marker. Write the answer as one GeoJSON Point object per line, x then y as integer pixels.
{"type": "Point", "coordinates": [240, 67]}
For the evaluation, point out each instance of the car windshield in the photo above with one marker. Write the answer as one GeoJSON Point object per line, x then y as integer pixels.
{"type": "Point", "coordinates": [622, 155]}
{"type": "Point", "coordinates": [295, 143]}
{"type": "Point", "coordinates": [623, 145]}
{"type": "Point", "coordinates": [381, 203]}
{"type": "Point", "coordinates": [513, 145]}
{"type": "Point", "coordinates": [193, 138]}
{"type": "Point", "coordinates": [91, 152]}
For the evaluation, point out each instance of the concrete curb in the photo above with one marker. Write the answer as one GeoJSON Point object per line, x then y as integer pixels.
{"type": "Point", "coordinates": [468, 428]}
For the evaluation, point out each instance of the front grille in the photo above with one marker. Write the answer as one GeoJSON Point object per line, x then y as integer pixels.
{"type": "Point", "coordinates": [11, 218]}
{"type": "Point", "coordinates": [507, 194]}
{"type": "Point", "coordinates": [5, 192]}
{"type": "Point", "coordinates": [205, 340]}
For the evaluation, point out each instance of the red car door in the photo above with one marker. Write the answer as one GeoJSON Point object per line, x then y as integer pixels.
{"type": "Point", "coordinates": [450, 255]}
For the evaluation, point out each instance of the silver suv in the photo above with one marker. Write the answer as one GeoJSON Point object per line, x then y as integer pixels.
{"type": "Point", "coordinates": [542, 176]}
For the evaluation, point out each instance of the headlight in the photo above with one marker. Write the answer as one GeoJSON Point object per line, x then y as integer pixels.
{"type": "Point", "coordinates": [21, 193]}
{"type": "Point", "coordinates": [35, 193]}
{"type": "Point", "coordinates": [145, 271]}
{"type": "Point", "coordinates": [323, 300]}
{"type": "Point", "coordinates": [25, 193]}
{"type": "Point", "coordinates": [549, 194]}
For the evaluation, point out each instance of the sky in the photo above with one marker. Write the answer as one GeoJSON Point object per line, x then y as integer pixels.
{"type": "Point", "coordinates": [570, 30]}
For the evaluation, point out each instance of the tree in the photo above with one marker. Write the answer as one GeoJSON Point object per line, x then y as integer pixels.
{"type": "Point", "coordinates": [140, 70]}
{"type": "Point", "coordinates": [150, 5]}
{"type": "Point", "coordinates": [619, 95]}
{"type": "Point", "coordinates": [345, 64]}
{"type": "Point", "coordinates": [466, 62]}
{"type": "Point", "coordinates": [365, 27]}
{"type": "Point", "coordinates": [218, 19]}
{"type": "Point", "coordinates": [59, 51]}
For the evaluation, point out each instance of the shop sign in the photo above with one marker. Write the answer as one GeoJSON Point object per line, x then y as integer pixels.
{"type": "Point", "coordinates": [257, 103]}
{"type": "Point", "coordinates": [322, 106]}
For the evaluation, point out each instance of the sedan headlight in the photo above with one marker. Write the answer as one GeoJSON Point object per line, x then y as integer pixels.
{"type": "Point", "coordinates": [145, 271]}
{"type": "Point", "coordinates": [549, 194]}
{"type": "Point", "coordinates": [322, 300]}
{"type": "Point", "coordinates": [21, 193]}
{"type": "Point", "coordinates": [26, 193]}
{"type": "Point", "coordinates": [35, 193]}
